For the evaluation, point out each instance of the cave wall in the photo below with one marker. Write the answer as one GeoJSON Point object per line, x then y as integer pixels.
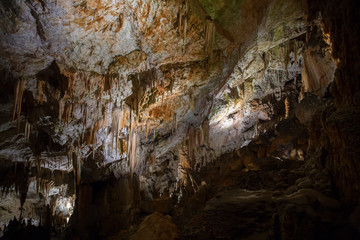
{"type": "Point", "coordinates": [339, 134]}
{"type": "Point", "coordinates": [161, 90]}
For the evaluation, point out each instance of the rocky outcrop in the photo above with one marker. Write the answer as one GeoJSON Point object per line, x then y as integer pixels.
{"type": "Point", "coordinates": [156, 226]}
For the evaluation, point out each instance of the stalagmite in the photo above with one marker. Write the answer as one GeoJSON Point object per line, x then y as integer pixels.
{"type": "Point", "coordinates": [19, 91]}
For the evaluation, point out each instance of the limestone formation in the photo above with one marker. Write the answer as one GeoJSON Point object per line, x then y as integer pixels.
{"type": "Point", "coordinates": [191, 119]}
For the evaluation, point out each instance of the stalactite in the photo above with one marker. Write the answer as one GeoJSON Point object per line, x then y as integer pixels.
{"type": "Point", "coordinates": [71, 84]}
{"type": "Point", "coordinates": [84, 123]}
{"type": "Point", "coordinates": [118, 130]}
{"type": "Point", "coordinates": [287, 50]}
{"type": "Point", "coordinates": [116, 126]}
{"type": "Point", "coordinates": [38, 169]}
{"type": "Point", "coordinates": [70, 153]}
{"type": "Point", "coordinates": [102, 87]}
{"type": "Point", "coordinates": [199, 139]}
{"type": "Point", "coordinates": [174, 125]}
{"type": "Point", "coordinates": [287, 107]}
{"type": "Point", "coordinates": [132, 144]}
{"type": "Point", "coordinates": [90, 137]}
{"type": "Point", "coordinates": [172, 83]}
{"type": "Point", "coordinates": [183, 22]}
{"type": "Point", "coordinates": [77, 168]}
{"type": "Point", "coordinates": [191, 143]}
{"type": "Point", "coordinates": [184, 165]}
{"type": "Point", "coordinates": [61, 109]}
{"type": "Point", "coordinates": [147, 129]}
{"type": "Point", "coordinates": [205, 131]}
{"type": "Point", "coordinates": [87, 80]}
{"type": "Point", "coordinates": [90, 83]}
{"type": "Point", "coordinates": [19, 91]}
{"type": "Point", "coordinates": [40, 93]}
{"type": "Point", "coordinates": [180, 21]}
{"type": "Point", "coordinates": [295, 53]}
{"type": "Point", "coordinates": [134, 162]}
{"type": "Point", "coordinates": [193, 182]}
{"type": "Point", "coordinates": [67, 113]}
{"type": "Point", "coordinates": [96, 128]}
{"type": "Point", "coordinates": [27, 130]}
{"type": "Point", "coordinates": [191, 98]}
{"type": "Point", "coordinates": [185, 28]}
{"type": "Point", "coordinates": [209, 37]}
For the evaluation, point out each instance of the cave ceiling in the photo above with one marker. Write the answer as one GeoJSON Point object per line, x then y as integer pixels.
{"type": "Point", "coordinates": [98, 88]}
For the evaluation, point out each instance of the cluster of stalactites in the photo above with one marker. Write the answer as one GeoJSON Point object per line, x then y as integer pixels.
{"type": "Point", "coordinates": [16, 178]}
{"type": "Point", "coordinates": [198, 140]}
{"type": "Point", "coordinates": [118, 123]}
{"type": "Point", "coordinates": [194, 153]}
{"type": "Point", "coordinates": [92, 82]}
{"type": "Point", "coordinates": [44, 186]}
{"type": "Point", "coordinates": [124, 128]}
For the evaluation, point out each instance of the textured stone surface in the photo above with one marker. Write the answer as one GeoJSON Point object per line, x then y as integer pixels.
{"type": "Point", "coordinates": [185, 108]}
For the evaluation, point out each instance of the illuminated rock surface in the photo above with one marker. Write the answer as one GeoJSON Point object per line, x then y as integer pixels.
{"type": "Point", "coordinates": [192, 119]}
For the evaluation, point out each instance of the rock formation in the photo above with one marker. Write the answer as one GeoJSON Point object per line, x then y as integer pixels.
{"type": "Point", "coordinates": [191, 119]}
